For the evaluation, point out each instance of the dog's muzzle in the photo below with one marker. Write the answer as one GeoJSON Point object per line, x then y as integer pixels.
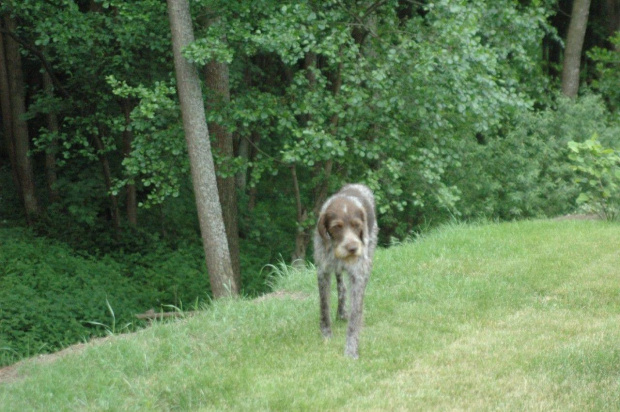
{"type": "Point", "coordinates": [350, 248]}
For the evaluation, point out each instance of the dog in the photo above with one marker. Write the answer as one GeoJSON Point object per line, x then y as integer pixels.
{"type": "Point", "coordinates": [345, 240]}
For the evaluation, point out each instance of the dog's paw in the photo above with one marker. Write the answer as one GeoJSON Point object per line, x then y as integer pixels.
{"type": "Point", "coordinates": [350, 349]}
{"type": "Point", "coordinates": [327, 333]}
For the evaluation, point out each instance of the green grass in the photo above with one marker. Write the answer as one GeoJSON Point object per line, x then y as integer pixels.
{"type": "Point", "coordinates": [515, 316]}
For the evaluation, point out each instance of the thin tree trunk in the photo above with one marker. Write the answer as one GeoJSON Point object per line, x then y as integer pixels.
{"type": "Point", "coordinates": [201, 159]}
{"type": "Point", "coordinates": [21, 140]}
{"type": "Point", "coordinates": [50, 152]}
{"type": "Point", "coordinates": [302, 235]}
{"type": "Point", "coordinates": [574, 45]}
{"type": "Point", "coordinates": [218, 84]}
{"type": "Point", "coordinates": [5, 105]}
{"type": "Point", "coordinates": [322, 171]}
{"type": "Point", "coordinates": [252, 196]}
{"type": "Point", "coordinates": [130, 188]}
{"type": "Point", "coordinates": [612, 10]}
{"type": "Point", "coordinates": [243, 152]}
{"type": "Point", "coordinates": [243, 147]}
{"type": "Point", "coordinates": [107, 178]}
{"type": "Point", "coordinates": [255, 138]}
{"type": "Point", "coordinates": [321, 191]}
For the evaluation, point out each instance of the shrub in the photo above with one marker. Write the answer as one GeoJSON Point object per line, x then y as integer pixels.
{"type": "Point", "coordinates": [527, 172]}
{"type": "Point", "coordinates": [598, 177]}
{"type": "Point", "coordinates": [607, 62]}
{"type": "Point", "coordinates": [51, 297]}
{"type": "Point", "coordinates": [48, 296]}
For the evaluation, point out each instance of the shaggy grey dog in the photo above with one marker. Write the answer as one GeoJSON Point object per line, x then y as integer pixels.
{"type": "Point", "coordinates": [345, 240]}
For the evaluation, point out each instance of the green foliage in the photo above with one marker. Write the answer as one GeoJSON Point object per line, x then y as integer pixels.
{"type": "Point", "coordinates": [385, 98]}
{"type": "Point", "coordinates": [607, 65]}
{"type": "Point", "coordinates": [51, 297]}
{"type": "Point", "coordinates": [526, 172]}
{"type": "Point", "coordinates": [168, 277]}
{"type": "Point", "coordinates": [209, 48]}
{"type": "Point", "coordinates": [82, 200]}
{"type": "Point", "coordinates": [441, 107]}
{"type": "Point", "coordinates": [158, 160]}
{"type": "Point", "coordinates": [85, 45]}
{"type": "Point", "coordinates": [389, 98]}
{"type": "Point", "coordinates": [432, 102]}
{"type": "Point", "coordinates": [48, 295]}
{"type": "Point", "coordinates": [598, 177]}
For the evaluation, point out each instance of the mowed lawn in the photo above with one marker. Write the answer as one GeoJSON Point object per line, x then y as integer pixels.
{"type": "Point", "coordinates": [512, 316]}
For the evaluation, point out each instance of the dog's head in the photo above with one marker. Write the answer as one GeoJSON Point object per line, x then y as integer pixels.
{"type": "Point", "coordinates": [343, 222]}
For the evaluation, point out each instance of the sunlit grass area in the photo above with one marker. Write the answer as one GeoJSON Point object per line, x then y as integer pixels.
{"type": "Point", "coordinates": [514, 316]}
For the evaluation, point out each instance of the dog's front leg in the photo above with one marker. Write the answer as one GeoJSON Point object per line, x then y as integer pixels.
{"type": "Point", "coordinates": [358, 287]}
{"type": "Point", "coordinates": [342, 296]}
{"type": "Point", "coordinates": [324, 279]}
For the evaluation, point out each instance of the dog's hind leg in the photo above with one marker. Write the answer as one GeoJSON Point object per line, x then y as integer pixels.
{"type": "Point", "coordinates": [342, 296]}
{"type": "Point", "coordinates": [324, 279]}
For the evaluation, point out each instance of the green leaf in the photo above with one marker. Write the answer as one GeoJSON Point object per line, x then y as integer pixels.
{"type": "Point", "coordinates": [583, 198]}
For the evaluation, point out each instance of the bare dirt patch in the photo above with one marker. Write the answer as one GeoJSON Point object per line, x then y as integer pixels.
{"type": "Point", "coordinates": [577, 217]}
{"type": "Point", "coordinates": [281, 294]}
{"type": "Point", "coordinates": [12, 373]}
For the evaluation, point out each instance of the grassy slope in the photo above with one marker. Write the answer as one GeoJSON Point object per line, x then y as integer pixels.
{"type": "Point", "coordinates": [519, 316]}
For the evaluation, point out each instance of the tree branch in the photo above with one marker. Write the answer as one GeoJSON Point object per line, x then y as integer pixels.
{"type": "Point", "coordinates": [373, 7]}
{"type": "Point", "coordinates": [258, 149]}
{"type": "Point", "coordinates": [46, 65]}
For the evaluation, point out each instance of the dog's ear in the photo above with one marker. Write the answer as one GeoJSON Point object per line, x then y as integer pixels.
{"type": "Point", "coordinates": [322, 226]}
{"type": "Point", "coordinates": [362, 216]}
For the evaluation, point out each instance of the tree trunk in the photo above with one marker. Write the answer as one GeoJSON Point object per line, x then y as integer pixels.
{"type": "Point", "coordinates": [302, 235]}
{"type": "Point", "coordinates": [130, 188]}
{"type": "Point", "coordinates": [243, 152]}
{"type": "Point", "coordinates": [50, 152]}
{"type": "Point", "coordinates": [200, 156]}
{"type": "Point", "coordinates": [321, 191]}
{"type": "Point", "coordinates": [107, 178]}
{"type": "Point", "coordinates": [574, 46]}
{"type": "Point", "coordinates": [218, 86]}
{"type": "Point", "coordinates": [322, 171]}
{"type": "Point", "coordinates": [20, 138]}
{"type": "Point", "coordinates": [612, 10]}
{"type": "Point", "coordinates": [5, 106]}
{"type": "Point", "coordinates": [255, 139]}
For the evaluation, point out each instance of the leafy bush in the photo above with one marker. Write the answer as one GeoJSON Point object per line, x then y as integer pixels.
{"type": "Point", "coordinates": [51, 297]}
{"type": "Point", "coordinates": [598, 170]}
{"type": "Point", "coordinates": [48, 296]}
{"type": "Point", "coordinates": [607, 62]}
{"type": "Point", "coordinates": [527, 172]}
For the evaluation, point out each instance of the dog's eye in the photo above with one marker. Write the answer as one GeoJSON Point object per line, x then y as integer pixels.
{"type": "Point", "coordinates": [336, 226]}
{"type": "Point", "coordinates": [357, 226]}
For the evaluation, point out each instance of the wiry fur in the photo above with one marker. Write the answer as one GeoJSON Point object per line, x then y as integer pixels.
{"type": "Point", "coordinates": [345, 240]}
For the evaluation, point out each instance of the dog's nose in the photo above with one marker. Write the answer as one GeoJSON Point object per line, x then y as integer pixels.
{"type": "Point", "coordinates": [351, 248]}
